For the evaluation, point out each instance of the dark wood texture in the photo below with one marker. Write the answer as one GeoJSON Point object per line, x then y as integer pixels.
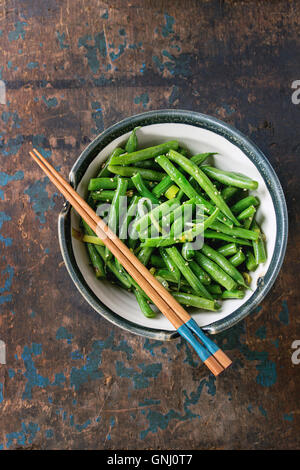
{"type": "Point", "coordinates": [71, 69]}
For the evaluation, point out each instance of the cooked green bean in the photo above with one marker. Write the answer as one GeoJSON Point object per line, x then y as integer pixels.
{"type": "Point", "coordinates": [228, 250]}
{"type": "Point", "coordinates": [215, 272]}
{"type": "Point", "coordinates": [205, 183]}
{"type": "Point", "coordinates": [123, 232]}
{"type": "Point", "coordinates": [259, 245]}
{"type": "Point", "coordinates": [242, 204]}
{"type": "Point", "coordinates": [186, 187]}
{"type": "Point", "coordinates": [145, 154]}
{"type": "Point", "coordinates": [104, 169]}
{"type": "Point", "coordinates": [191, 300]}
{"type": "Point", "coordinates": [144, 254]}
{"type": "Point", "coordinates": [228, 192]}
{"type": "Point", "coordinates": [247, 213]}
{"type": "Point", "coordinates": [251, 264]}
{"type": "Point", "coordinates": [130, 171]}
{"type": "Point", "coordinates": [158, 212]}
{"type": "Point", "coordinates": [213, 234]}
{"type": "Point", "coordinates": [201, 157]}
{"type": "Point", "coordinates": [157, 262]}
{"type": "Point", "coordinates": [103, 195]}
{"type": "Point", "coordinates": [162, 186]}
{"type": "Point", "coordinates": [187, 273]}
{"type": "Point", "coordinates": [214, 289]}
{"type": "Point", "coordinates": [223, 262]}
{"type": "Point", "coordinates": [235, 231]}
{"type": "Point", "coordinates": [106, 183]}
{"type": "Point", "coordinates": [171, 191]}
{"type": "Point", "coordinates": [113, 217]}
{"type": "Point", "coordinates": [143, 304]}
{"type": "Point", "coordinates": [132, 142]}
{"type": "Point", "coordinates": [200, 273]}
{"type": "Point", "coordinates": [170, 264]}
{"type": "Point", "coordinates": [187, 251]}
{"type": "Point", "coordinates": [167, 275]}
{"type": "Point", "coordinates": [233, 294]}
{"type": "Point", "coordinates": [142, 188]}
{"type": "Point", "coordinates": [167, 182]}
{"type": "Point", "coordinates": [238, 258]}
{"type": "Point", "coordinates": [230, 178]}
{"type": "Point", "coordinates": [121, 275]}
{"type": "Point", "coordinates": [96, 261]}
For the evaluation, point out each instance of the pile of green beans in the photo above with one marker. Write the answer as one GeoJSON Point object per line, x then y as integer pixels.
{"type": "Point", "coordinates": [204, 259]}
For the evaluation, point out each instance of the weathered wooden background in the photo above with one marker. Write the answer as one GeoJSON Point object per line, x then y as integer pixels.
{"type": "Point", "coordinates": [71, 69]}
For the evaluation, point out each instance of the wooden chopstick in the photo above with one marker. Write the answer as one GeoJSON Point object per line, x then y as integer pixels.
{"type": "Point", "coordinates": [156, 292]}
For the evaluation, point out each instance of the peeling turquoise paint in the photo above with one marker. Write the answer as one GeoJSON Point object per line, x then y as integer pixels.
{"type": "Point", "coordinates": [149, 401]}
{"type": "Point", "coordinates": [16, 121]}
{"type": "Point", "coordinates": [7, 274]}
{"type": "Point", "coordinates": [151, 345]}
{"type": "Point", "coordinates": [1, 392]}
{"type": "Point", "coordinates": [142, 99]}
{"type": "Point", "coordinates": [32, 65]}
{"type": "Point", "coordinates": [179, 65]}
{"type": "Point", "coordinates": [62, 333]}
{"type": "Point", "coordinates": [76, 355]}
{"type": "Point", "coordinates": [263, 411]}
{"type": "Point", "coordinates": [97, 116]}
{"type": "Point", "coordinates": [59, 380]}
{"type": "Point", "coordinates": [4, 218]}
{"type": "Point", "coordinates": [261, 332]}
{"type": "Point", "coordinates": [39, 198]}
{"type": "Point", "coordinates": [105, 15]}
{"type": "Point", "coordinates": [61, 40]}
{"type": "Point", "coordinates": [19, 32]}
{"type": "Point", "coordinates": [121, 49]}
{"type": "Point", "coordinates": [189, 359]}
{"type": "Point", "coordinates": [89, 371]}
{"type": "Point", "coordinates": [12, 146]}
{"type": "Point", "coordinates": [288, 417]}
{"type": "Point", "coordinates": [39, 141]}
{"type": "Point", "coordinates": [284, 313]}
{"type": "Point", "coordinates": [92, 51]}
{"type": "Point", "coordinates": [140, 379]}
{"type": "Point", "coordinates": [33, 378]}
{"type": "Point", "coordinates": [267, 375]}
{"type": "Point", "coordinates": [81, 427]}
{"type": "Point", "coordinates": [5, 179]}
{"type": "Point", "coordinates": [174, 94]}
{"type": "Point", "coordinates": [168, 27]}
{"type": "Point", "coordinates": [49, 433]}
{"type": "Point", "coordinates": [51, 102]}
{"type": "Point", "coordinates": [23, 437]}
{"type": "Point", "coordinates": [159, 420]}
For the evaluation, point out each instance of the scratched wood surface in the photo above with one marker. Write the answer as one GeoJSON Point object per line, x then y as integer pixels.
{"type": "Point", "coordinates": [71, 69]}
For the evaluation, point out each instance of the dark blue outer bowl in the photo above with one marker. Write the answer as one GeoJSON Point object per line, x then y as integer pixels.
{"type": "Point", "coordinates": [214, 125]}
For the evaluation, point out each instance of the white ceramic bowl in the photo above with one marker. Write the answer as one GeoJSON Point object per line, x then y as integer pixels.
{"type": "Point", "coordinates": [198, 133]}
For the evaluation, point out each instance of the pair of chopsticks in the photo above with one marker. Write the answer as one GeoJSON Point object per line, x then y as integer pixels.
{"type": "Point", "coordinates": [212, 356]}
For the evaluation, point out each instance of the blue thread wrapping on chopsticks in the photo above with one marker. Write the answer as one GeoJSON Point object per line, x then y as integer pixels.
{"type": "Point", "coordinates": [188, 335]}
{"type": "Point", "coordinates": [209, 344]}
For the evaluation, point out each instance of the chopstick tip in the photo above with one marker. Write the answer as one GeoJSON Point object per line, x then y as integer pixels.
{"type": "Point", "coordinates": [213, 365]}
